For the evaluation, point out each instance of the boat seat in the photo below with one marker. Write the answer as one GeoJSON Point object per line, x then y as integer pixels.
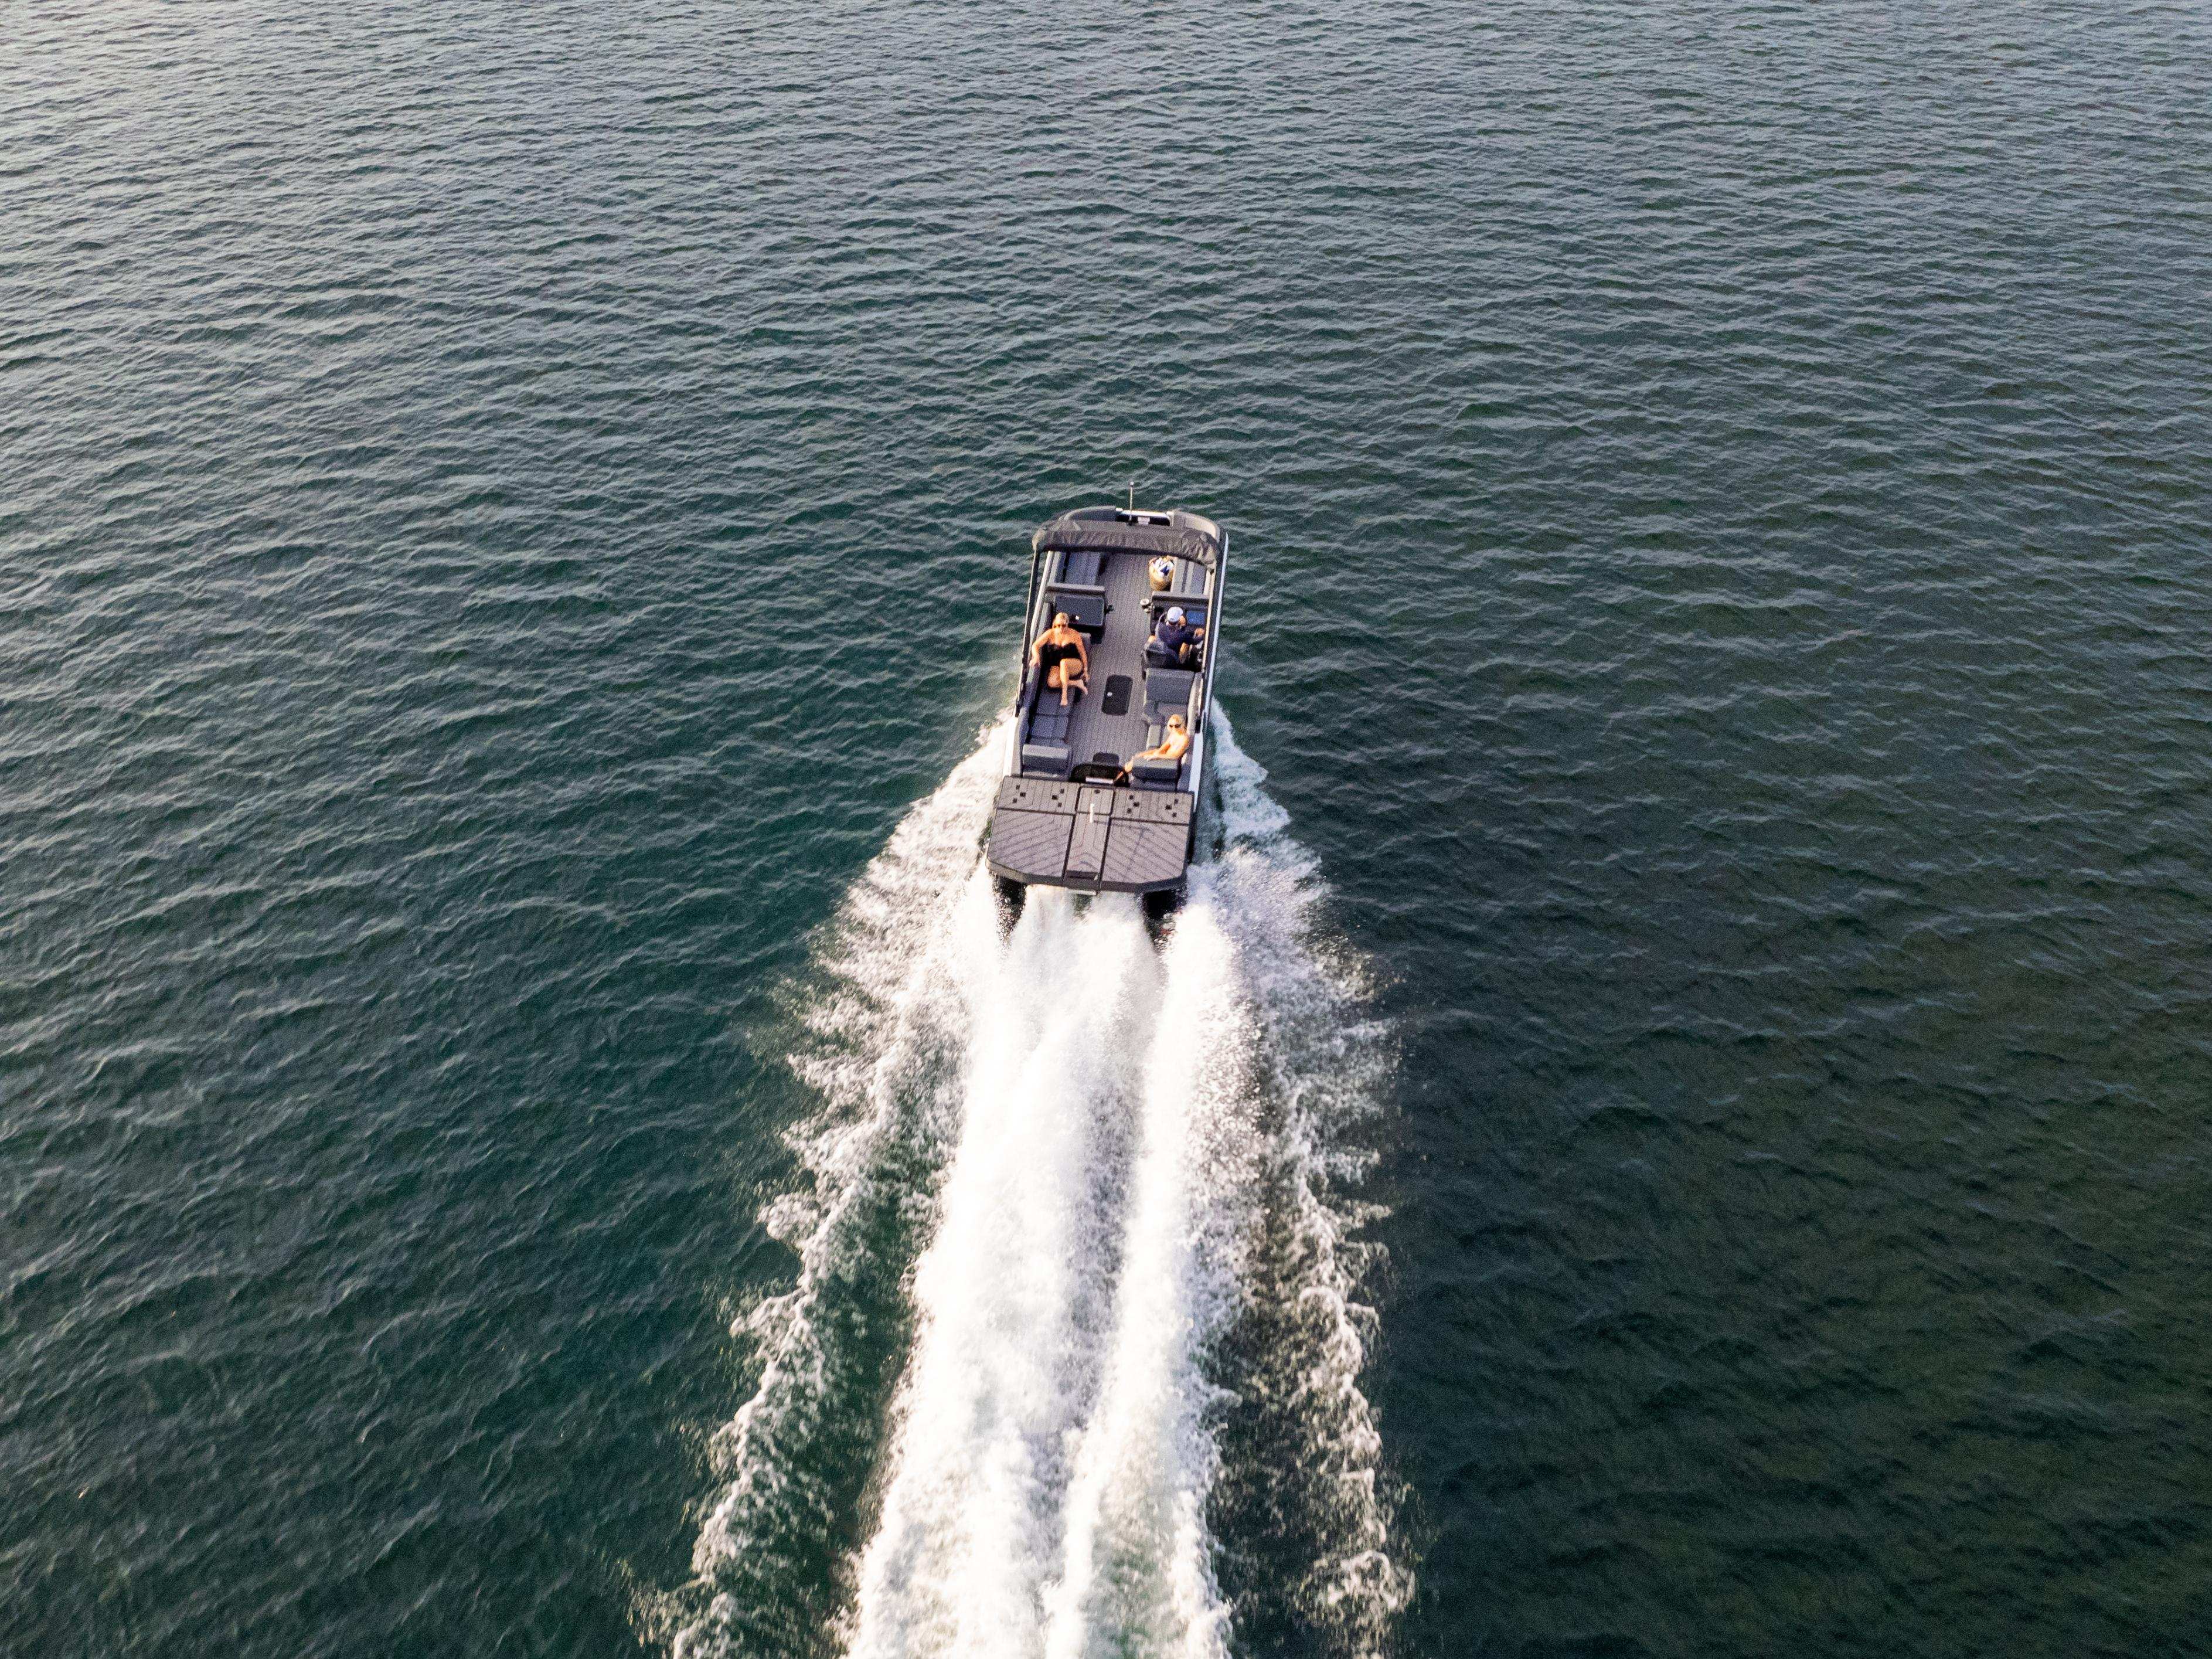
{"type": "Point", "coordinates": [1045, 752]}
{"type": "Point", "coordinates": [1166, 772]}
{"type": "Point", "coordinates": [1194, 605]}
{"type": "Point", "coordinates": [1050, 722]}
{"type": "Point", "coordinates": [1085, 603]}
{"type": "Point", "coordinates": [1158, 772]}
{"type": "Point", "coordinates": [1082, 569]}
{"type": "Point", "coordinates": [1045, 760]}
{"type": "Point", "coordinates": [1168, 692]}
{"type": "Point", "coordinates": [1190, 577]}
{"type": "Point", "coordinates": [1194, 612]}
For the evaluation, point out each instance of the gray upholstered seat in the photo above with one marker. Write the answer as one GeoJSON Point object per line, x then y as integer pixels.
{"type": "Point", "coordinates": [1190, 577]}
{"type": "Point", "coordinates": [1045, 751]}
{"type": "Point", "coordinates": [1167, 691]}
{"type": "Point", "coordinates": [1085, 603]}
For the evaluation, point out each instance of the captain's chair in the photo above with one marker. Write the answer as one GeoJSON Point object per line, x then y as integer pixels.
{"type": "Point", "coordinates": [1194, 613]}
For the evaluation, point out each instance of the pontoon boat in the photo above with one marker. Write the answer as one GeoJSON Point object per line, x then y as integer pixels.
{"type": "Point", "coordinates": [1076, 808]}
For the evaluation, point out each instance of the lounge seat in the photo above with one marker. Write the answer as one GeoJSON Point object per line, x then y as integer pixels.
{"type": "Point", "coordinates": [1168, 692]}
{"type": "Point", "coordinates": [1045, 752]}
{"type": "Point", "coordinates": [1050, 722]}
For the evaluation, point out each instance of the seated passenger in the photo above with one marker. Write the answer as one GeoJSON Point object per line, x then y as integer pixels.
{"type": "Point", "coordinates": [1175, 640]}
{"type": "Point", "coordinates": [1172, 747]}
{"type": "Point", "coordinates": [1059, 652]}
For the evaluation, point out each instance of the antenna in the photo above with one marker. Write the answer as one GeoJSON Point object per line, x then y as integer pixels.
{"type": "Point", "coordinates": [1133, 495]}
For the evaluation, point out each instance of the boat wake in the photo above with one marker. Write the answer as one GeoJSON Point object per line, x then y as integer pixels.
{"type": "Point", "coordinates": [1076, 1286]}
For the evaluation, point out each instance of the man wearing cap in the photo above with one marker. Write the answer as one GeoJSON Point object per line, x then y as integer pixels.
{"type": "Point", "coordinates": [1176, 639]}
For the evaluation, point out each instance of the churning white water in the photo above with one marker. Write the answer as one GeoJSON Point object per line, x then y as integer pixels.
{"type": "Point", "coordinates": [1113, 1121]}
{"type": "Point", "coordinates": [1000, 1376]}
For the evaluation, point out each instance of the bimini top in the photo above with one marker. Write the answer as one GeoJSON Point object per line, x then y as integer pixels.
{"type": "Point", "coordinates": [1117, 530]}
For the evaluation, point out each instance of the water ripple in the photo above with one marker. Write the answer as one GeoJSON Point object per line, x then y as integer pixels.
{"type": "Point", "coordinates": [505, 509]}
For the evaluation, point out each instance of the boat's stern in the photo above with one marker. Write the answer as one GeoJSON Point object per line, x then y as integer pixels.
{"type": "Point", "coordinates": [1094, 838]}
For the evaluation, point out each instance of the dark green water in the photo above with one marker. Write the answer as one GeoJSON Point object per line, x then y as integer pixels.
{"type": "Point", "coordinates": [504, 511]}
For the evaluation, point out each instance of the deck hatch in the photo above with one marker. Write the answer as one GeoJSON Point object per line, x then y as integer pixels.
{"type": "Point", "coordinates": [1036, 794]}
{"type": "Point", "coordinates": [1152, 805]}
{"type": "Point", "coordinates": [1094, 814]}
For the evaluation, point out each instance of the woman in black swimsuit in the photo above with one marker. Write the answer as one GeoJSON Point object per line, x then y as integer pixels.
{"type": "Point", "coordinates": [1059, 652]}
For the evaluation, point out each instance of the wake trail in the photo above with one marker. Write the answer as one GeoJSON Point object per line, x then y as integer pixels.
{"type": "Point", "coordinates": [1136, 1282]}
{"type": "Point", "coordinates": [879, 1026]}
{"type": "Point", "coordinates": [1312, 1467]}
{"type": "Point", "coordinates": [999, 1374]}
{"type": "Point", "coordinates": [1136, 1565]}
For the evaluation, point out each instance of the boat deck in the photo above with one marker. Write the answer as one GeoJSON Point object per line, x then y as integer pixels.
{"type": "Point", "coordinates": [1092, 733]}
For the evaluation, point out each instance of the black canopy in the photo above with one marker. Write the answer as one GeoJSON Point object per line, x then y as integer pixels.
{"type": "Point", "coordinates": [1108, 530]}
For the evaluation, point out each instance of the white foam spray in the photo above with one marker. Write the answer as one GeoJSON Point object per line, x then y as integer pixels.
{"type": "Point", "coordinates": [1118, 1119]}
{"type": "Point", "coordinates": [1328, 1065]}
{"type": "Point", "coordinates": [884, 1025]}
{"type": "Point", "coordinates": [1001, 1371]}
{"type": "Point", "coordinates": [1137, 1569]}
